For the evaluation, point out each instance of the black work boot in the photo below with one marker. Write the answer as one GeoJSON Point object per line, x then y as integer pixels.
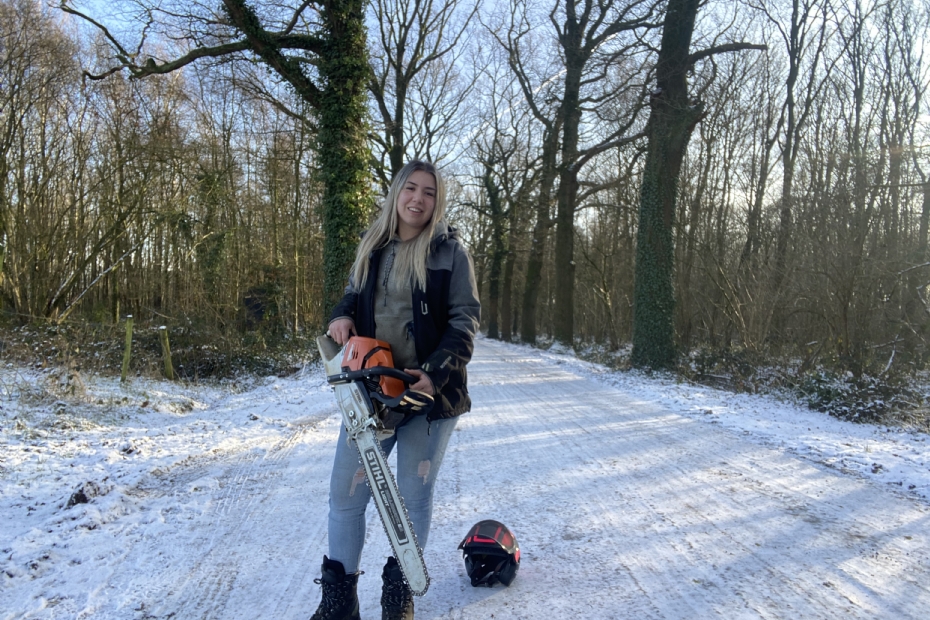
{"type": "Point", "coordinates": [396, 597]}
{"type": "Point", "coordinates": [340, 598]}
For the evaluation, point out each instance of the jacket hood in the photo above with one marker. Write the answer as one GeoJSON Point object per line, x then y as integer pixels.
{"type": "Point", "coordinates": [443, 232]}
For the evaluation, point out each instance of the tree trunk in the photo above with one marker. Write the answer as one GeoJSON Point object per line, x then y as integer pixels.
{"type": "Point", "coordinates": [924, 223]}
{"type": "Point", "coordinates": [564, 318]}
{"type": "Point", "coordinates": [343, 152]}
{"type": "Point", "coordinates": [671, 122]}
{"type": "Point", "coordinates": [498, 249]}
{"type": "Point", "coordinates": [534, 265]}
{"type": "Point", "coordinates": [507, 294]}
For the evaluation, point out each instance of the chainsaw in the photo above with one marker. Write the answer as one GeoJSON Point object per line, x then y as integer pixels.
{"type": "Point", "coordinates": [374, 400]}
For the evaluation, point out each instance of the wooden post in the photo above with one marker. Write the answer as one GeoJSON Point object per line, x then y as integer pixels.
{"type": "Point", "coordinates": [166, 352]}
{"type": "Point", "coordinates": [127, 351]}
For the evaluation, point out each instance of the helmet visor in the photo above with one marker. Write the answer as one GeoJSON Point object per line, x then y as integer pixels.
{"type": "Point", "coordinates": [491, 533]}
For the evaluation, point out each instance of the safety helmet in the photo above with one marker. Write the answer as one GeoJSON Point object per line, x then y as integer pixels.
{"type": "Point", "coordinates": [491, 554]}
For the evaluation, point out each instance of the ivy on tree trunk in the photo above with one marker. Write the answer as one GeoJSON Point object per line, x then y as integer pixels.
{"type": "Point", "coordinates": [343, 147]}
{"type": "Point", "coordinates": [671, 121]}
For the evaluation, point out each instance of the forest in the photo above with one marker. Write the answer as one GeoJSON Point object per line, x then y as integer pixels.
{"type": "Point", "coordinates": [209, 167]}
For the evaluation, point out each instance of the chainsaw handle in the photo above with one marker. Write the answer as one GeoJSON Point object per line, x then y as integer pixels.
{"type": "Point", "coordinates": [374, 371]}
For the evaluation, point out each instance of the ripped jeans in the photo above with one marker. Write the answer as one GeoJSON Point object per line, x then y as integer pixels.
{"type": "Point", "coordinates": [420, 450]}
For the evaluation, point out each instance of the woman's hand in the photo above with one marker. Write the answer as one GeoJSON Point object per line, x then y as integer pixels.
{"type": "Point", "coordinates": [424, 383]}
{"type": "Point", "coordinates": [341, 330]}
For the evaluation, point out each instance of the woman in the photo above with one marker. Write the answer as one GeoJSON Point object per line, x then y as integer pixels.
{"type": "Point", "coordinates": [412, 285]}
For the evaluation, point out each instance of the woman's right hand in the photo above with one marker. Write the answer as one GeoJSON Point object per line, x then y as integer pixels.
{"type": "Point", "coordinates": [341, 330]}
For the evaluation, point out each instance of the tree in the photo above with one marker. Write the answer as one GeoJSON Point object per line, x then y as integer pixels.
{"type": "Point", "coordinates": [45, 239]}
{"type": "Point", "coordinates": [319, 50]}
{"type": "Point", "coordinates": [504, 150]}
{"type": "Point", "coordinates": [805, 39]}
{"type": "Point", "coordinates": [591, 41]}
{"type": "Point", "coordinates": [417, 90]}
{"type": "Point", "coordinates": [673, 116]}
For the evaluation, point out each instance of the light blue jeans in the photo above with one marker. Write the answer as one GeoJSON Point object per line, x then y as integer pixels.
{"type": "Point", "coordinates": [420, 449]}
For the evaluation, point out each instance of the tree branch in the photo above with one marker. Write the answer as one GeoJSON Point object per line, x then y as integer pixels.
{"type": "Point", "coordinates": [267, 45]}
{"type": "Point", "coordinates": [296, 17]}
{"type": "Point", "coordinates": [152, 67]}
{"type": "Point", "coordinates": [723, 49]}
{"type": "Point", "coordinates": [587, 154]}
{"type": "Point", "coordinates": [106, 33]}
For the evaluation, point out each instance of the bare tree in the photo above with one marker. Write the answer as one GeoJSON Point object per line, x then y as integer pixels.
{"type": "Point", "coordinates": [415, 77]}
{"type": "Point", "coordinates": [317, 48]}
{"type": "Point", "coordinates": [592, 37]}
{"type": "Point", "coordinates": [805, 37]}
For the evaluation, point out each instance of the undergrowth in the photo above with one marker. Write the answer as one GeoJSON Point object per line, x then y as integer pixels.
{"type": "Point", "coordinates": [876, 395]}
{"type": "Point", "coordinates": [196, 353]}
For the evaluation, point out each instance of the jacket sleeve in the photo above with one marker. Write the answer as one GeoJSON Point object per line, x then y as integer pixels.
{"type": "Point", "coordinates": [347, 308]}
{"type": "Point", "coordinates": [457, 341]}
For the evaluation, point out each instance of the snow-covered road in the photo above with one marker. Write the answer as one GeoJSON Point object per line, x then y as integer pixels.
{"type": "Point", "coordinates": [624, 506]}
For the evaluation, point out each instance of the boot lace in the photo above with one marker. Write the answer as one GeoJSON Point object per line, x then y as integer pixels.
{"type": "Point", "coordinates": [335, 597]}
{"type": "Point", "coordinates": [396, 599]}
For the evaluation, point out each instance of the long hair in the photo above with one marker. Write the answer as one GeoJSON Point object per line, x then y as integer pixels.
{"type": "Point", "coordinates": [410, 261]}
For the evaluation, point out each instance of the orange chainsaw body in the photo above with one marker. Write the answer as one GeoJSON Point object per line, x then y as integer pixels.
{"type": "Point", "coordinates": [361, 353]}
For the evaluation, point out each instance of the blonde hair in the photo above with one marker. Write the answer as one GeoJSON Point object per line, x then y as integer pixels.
{"type": "Point", "coordinates": [410, 261]}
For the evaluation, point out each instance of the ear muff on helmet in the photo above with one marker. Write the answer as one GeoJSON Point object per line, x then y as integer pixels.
{"type": "Point", "coordinates": [508, 572]}
{"type": "Point", "coordinates": [491, 554]}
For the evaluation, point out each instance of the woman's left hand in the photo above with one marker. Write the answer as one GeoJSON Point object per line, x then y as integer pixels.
{"type": "Point", "coordinates": [423, 384]}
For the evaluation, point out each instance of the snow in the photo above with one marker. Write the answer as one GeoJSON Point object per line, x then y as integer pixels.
{"type": "Point", "coordinates": [631, 495]}
{"type": "Point", "coordinates": [886, 455]}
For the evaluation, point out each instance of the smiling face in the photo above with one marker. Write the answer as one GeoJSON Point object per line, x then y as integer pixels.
{"type": "Point", "coordinates": [415, 204]}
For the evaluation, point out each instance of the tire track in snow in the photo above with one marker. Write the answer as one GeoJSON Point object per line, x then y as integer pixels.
{"type": "Point", "coordinates": [626, 510]}
{"type": "Point", "coordinates": [205, 586]}
{"type": "Point", "coordinates": [249, 538]}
